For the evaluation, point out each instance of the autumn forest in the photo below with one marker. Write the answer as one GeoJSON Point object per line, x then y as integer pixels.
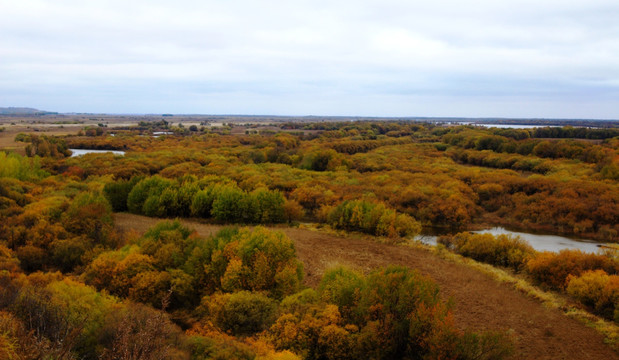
{"type": "Point", "coordinates": [75, 285]}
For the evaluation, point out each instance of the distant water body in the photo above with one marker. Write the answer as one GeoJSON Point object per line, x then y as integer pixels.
{"type": "Point", "coordinates": [506, 126]}
{"type": "Point", "coordinates": [538, 242]}
{"type": "Point", "coordinates": [80, 152]}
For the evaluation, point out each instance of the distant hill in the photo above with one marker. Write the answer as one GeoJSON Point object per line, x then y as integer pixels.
{"type": "Point", "coordinates": [23, 111]}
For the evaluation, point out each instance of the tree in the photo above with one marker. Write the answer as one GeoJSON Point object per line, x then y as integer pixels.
{"type": "Point", "coordinates": [89, 214]}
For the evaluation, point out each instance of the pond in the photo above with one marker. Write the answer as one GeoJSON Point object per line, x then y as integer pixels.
{"type": "Point", "coordinates": [80, 152]}
{"type": "Point", "coordinates": [539, 242]}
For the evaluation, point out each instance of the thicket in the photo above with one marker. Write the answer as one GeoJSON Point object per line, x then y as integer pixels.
{"type": "Point", "coordinates": [523, 141]}
{"type": "Point", "coordinates": [555, 269]}
{"type": "Point", "coordinates": [501, 250]}
{"type": "Point", "coordinates": [372, 218]}
{"type": "Point", "coordinates": [45, 146]}
{"type": "Point", "coordinates": [169, 260]}
{"type": "Point", "coordinates": [412, 176]}
{"type": "Point", "coordinates": [393, 313]}
{"type": "Point", "coordinates": [597, 290]}
{"type": "Point", "coordinates": [21, 168]}
{"type": "Point", "coordinates": [206, 198]}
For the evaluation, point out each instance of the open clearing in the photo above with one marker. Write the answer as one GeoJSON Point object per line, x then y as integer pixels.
{"type": "Point", "coordinates": [481, 303]}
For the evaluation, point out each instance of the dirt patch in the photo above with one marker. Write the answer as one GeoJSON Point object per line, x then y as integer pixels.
{"type": "Point", "coordinates": [481, 303]}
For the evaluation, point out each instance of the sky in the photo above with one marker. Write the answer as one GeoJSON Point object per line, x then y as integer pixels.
{"type": "Point", "coordinates": [440, 58]}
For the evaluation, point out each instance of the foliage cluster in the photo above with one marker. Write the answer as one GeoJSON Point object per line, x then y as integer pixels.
{"type": "Point", "coordinates": [555, 269]}
{"type": "Point", "coordinates": [401, 165]}
{"type": "Point", "coordinates": [501, 250]}
{"type": "Point", "coordinates": [597, 290]}
{"type": "Point", "coordinates": [46, 146]}
{"type": "Point", "coordinates": [21, 168]}
{"type": "Point", "coordinates": [372, 218]}
{"type": "Point", "coordinates": [58, 232]}
{"type": "Point", "coordinates": [169, 259]}
{"type": "Point", "coordinates": [248, 281]}
{"type": "Point", "coordinates": [206, 198]}
{"type": "Point", "coordinates": [392, 313]}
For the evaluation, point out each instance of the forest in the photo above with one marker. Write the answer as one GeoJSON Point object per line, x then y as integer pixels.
{"type": "Point", "coordinates": [75, 287]}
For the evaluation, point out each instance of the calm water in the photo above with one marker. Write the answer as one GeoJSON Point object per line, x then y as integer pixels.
{"type": "Point", "coordinates": [539, 242]}
{"type": "Point", "coordinates": [80, 152]}
{"type": "Point", "coordinates": [506, 126]}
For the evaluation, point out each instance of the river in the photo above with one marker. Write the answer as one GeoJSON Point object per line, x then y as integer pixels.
{"type": "Point", "coordinates": [80, 152]}
{"type": "Point", "coordinates": [538, 242]}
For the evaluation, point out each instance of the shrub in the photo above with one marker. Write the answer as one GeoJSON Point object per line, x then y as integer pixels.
{"type": "Point", "coordinates": [501, 250]}
{"type": "Point", "coordinates": [144, 189]}
{"type": "Point", "coordinates": [270, 206]}
{"type": "Point", "coordinates": [242, 313]}
{"type": "Point", "coordinates": [139, 332]}
{"type": "Point", "coordinates": [229, 205]}
{"type": "Point", "coordinates": [90, 214]}
{"type": "Point", "coordinates": [393, 313]}
{"type": "Point", "coordinates": [342, 287]}
{"type": "Point", "coordinates": [270, 261]}
{"type": "Point", "coordinates": [372, 218]}
{"type": "Point", "coordinates": [67, 254]}
{"type": "Point", "coordinates": [32, 258]}
{"type": "Point", "coordinates": [218, 347]}
{"type": "Point", "coordinates": [117, 192]}
{"type": "Point", "coordinates": [553, 269]}
{"type": "Point", "coordinates": [597, 290]}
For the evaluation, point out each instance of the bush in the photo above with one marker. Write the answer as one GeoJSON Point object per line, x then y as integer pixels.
{"type": "Point", "coordinates": [144, 189]}
{"type": "Point", "coordinates": [117, 192]}
{"type": "Point", "coordinates": [393, 313]}
{"type": "Point", "coordinates": [139, 332]}
{"type": "Point", "coordinates": [242, 313]}
{"type": "Point", "coordinates": [229, 205]}
{"type": "Point", "coordinates": [218, 347]}
{"type": "Point", "coordinates": [270, 206]}
{"type": "Point", "coordinates": [342, 287]}
{"type": "Point", "coordinates": [32, 258]}
{"type": "Point", "coordinates": [553, 269]}
{"type": "Point", "coordinates": [90, 214]}
{"type": "Point", "coordinates": [372, 218]}
{"type": "Point", "coordinates": [501, 250]}
{"type": "Point", "coordinates": [597, 290]}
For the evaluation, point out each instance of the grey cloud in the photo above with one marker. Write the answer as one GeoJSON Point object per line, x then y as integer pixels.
{"type": "Point", "coordinates": [390, 57]}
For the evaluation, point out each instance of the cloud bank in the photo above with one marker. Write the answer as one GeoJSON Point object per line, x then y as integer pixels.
{"type": "Point", "coordinates": [514, 58]}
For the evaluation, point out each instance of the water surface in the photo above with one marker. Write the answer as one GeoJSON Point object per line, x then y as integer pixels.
{"type": "Point", "coordinates": [80, 152]}
{"type": "Point", "coordinates": [554, 243]}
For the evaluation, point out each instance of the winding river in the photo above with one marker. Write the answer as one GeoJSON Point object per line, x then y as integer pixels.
{"type": "Point", "coordinates": [80, 152]}
{"type": "Point", "coordinates": [539, 242]}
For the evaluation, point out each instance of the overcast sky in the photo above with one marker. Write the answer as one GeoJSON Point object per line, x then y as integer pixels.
{"type": "Point", "coordinates": [503, 58]}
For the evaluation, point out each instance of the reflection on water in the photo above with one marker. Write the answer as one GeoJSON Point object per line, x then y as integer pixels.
{"type": "Point", "coordinates": [539, 242]}
{"type": "Point", "coordinates": [80, 152]}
